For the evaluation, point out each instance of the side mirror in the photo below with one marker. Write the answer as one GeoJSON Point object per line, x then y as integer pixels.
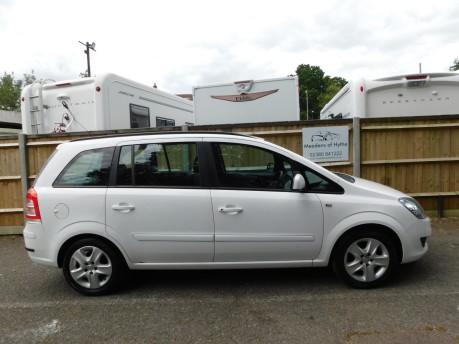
{"type": "Point", "coordinates": [299, 183]}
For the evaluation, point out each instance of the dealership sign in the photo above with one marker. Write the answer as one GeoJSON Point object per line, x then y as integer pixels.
{"type": "Point", "coordinates": [326, 144]}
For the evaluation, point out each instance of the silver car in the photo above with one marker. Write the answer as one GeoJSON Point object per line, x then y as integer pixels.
{"type": "Point", "coordinates": [105, 205]}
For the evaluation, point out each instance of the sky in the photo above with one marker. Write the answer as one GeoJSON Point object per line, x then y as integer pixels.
{"type": "Point", "coordinates": [180, 44]}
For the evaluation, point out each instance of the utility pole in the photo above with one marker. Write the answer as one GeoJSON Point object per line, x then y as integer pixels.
{"type": "Point", "coordinates": [307, 105]}
{"type": "Point", "coordinates": [92, 47]}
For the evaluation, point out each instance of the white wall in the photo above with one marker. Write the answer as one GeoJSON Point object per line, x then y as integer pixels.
{"type": "Point", "coordinates": [10, 116]}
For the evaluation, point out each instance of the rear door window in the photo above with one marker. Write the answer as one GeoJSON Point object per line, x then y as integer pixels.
{"type": "Point", "coordinates": [159, 164]}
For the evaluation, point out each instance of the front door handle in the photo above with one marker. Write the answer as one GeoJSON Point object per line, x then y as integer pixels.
{"type": "Point", "coordinates": [123, 207]}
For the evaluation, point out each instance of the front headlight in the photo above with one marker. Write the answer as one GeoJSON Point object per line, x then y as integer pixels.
{"type": "Point", "coordinates": [413, 206]}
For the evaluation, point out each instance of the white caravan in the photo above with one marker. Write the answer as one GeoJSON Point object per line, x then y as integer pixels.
{"type": "Point", "coordinates": [103, 102]}
{"type": "Point", "coordinates": [248, 101]}
{"type": "Point", "coordinates": [425, 94]}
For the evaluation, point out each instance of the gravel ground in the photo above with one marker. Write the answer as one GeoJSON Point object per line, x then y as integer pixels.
{"type": "Point", "coordinates": [242, 306]}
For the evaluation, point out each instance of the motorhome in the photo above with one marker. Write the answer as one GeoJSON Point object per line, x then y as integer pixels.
{"type": "Point", "coordinates": [425, 94]}
{"type": "Point", "coordinates": [247, 101]}
{"type": "Point", "coordinates": [104, 102]}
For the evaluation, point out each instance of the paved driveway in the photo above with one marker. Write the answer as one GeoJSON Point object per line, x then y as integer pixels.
{"type": "Point", "coordinates": [244, 306]}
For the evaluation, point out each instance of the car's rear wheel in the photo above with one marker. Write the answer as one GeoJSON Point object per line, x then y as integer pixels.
{"type": "Point", "coordinates": [365, 259]}
{"type": "Point", "coordinates": [93, 267]}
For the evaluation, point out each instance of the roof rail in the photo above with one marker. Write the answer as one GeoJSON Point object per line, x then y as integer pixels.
{"type": "Point", "coordinates": [161, 133]}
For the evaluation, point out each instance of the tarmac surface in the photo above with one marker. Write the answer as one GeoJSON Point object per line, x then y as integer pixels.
{"type": "Point", "coordinates": [242, 306]}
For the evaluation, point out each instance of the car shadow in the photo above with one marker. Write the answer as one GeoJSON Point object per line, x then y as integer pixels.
{"type": "Point", "coordinates": [260, 281]}
{"type": "Point", "coordinates": [218, 281]}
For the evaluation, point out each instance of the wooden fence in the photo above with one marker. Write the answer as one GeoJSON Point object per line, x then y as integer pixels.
{"type": "Point", "coordinates": [419, 156]}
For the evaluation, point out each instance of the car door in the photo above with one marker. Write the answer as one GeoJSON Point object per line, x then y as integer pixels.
{"type": "Point", "coordinates": [156, 208]}
{"type": "Point", "coordinates": [257, 215]}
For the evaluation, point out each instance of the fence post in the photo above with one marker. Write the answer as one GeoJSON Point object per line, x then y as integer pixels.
{"type": "Point", "coordinates": [22, 140]}
{"type": "Point", "coordinates": [356, 145]}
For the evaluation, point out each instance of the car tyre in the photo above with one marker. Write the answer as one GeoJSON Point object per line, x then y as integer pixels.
{"type": "Point", "coordinates": [93, 267]}
{"type": "Point", "coordinates": [365, 259]}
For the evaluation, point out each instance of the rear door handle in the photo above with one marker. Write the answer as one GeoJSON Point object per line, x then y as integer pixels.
{"type": "Point", "coordinates": [123, 207]}
{"type": "Point", "coordinates": [231, 210]}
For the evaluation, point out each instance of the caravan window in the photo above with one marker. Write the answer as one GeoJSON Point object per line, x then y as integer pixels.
{"type": "Point", "coordinates": [140, 116]}
{"type": "Point", "coordinates": [164, 122]}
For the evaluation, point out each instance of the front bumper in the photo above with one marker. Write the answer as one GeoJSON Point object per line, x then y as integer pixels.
{"type": "Point", "coordinates": [416, 244]}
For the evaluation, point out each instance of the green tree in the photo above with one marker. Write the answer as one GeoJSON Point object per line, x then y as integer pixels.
{"type": "Point", "coordinates": [29, 79]}
{"type": "Point", "coordinates": [312, 84]}
{"type": "Point", "coordinates": [10, 92]}
{"type": "Point", "coordinates": [455, 66]}
{"type": "Point", "coordinates": [333, 86]}
{"type": "Point", "coordinates": [316, 89]}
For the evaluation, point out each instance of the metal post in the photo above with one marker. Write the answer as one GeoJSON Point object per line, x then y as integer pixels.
{"type": "Point", "coordinates": [88, 46]}
{"type": "Point", "coordinates": [87, 55]}
{"type": "Point", "coordinates": [307, 105]}
{"type": "Point", "coordinates": [440, 206]}
{"type": "Point", "coordinates": [356, 145]}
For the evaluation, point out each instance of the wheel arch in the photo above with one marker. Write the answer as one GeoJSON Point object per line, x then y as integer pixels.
{"type": "Point", "coordinates": [369, 226]}
{"type": "Point", "coordinates": [70, 241]}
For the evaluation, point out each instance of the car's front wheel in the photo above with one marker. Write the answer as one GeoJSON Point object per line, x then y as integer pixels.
{"type": "Point", "coordinates": [93, 267]}
{"type": "Point", "coordinates": [365, 259]}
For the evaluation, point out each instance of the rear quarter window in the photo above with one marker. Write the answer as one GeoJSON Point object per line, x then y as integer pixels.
{"type": "Point", "coordinates": [88, 168]}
